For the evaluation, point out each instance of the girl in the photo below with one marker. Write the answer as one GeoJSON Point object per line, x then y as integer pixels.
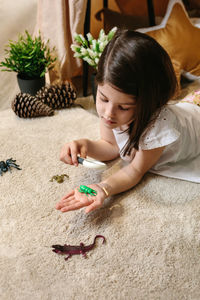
{"type": "Point", "coordinates": [135, 81]}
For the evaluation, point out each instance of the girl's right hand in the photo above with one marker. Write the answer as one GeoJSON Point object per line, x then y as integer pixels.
{"type": "Point", "coordinates": [76, 200]}
{"type": "Point", "coordinates": [70, 151]}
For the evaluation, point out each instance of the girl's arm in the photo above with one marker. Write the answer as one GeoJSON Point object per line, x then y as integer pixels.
{"type": "Point", "coordinates": [122, 180]}
{"type": "Point", "coordinates": [130, 175]}
{"type": "Point", "coordinates": [104, 149]}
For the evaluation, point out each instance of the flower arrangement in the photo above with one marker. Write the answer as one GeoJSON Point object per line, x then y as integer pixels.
{"type": "Point", "coordinates": [29, 57]}
{"type": "Point", "coordinates": [91, 49]}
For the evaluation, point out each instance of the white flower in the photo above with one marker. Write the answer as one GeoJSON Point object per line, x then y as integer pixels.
{"type": "Point", "coordinates": [75, 48]}
{"type": "Point", "coordinates": [101, 34]}
{"type": "Point", "coordinates": [79, 55]}
{"type": "Point", "coordinates": [80, 39]}
{"type": "Point", "coordinates": [91, 53]}
{"type": "Point", "coordinates": [91, 49]}
{"type": "Point", "coordinates": [96, 60]}
{"type": "Point", "coordinates": [89, 61]}
{"type": "Point", "coordinates": [102, 46]}
{"type": "Point", "coordinates": [90, 38]}
{"type": "Point", "coordinates": [84, 51]}
{"type": "Point", "coordinates": [111, 33]}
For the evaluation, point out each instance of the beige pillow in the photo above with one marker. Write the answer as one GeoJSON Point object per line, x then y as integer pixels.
{"type": "Point", "coordinates": [179, 37]}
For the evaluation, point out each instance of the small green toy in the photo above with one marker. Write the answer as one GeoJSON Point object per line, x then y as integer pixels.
{"type": "Point", "coordinates": [86, 190]}
{"type": "Point", "coordinates": [59, 178]}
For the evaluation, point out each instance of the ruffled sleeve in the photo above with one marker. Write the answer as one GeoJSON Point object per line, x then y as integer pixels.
{"type": "Point", "coordinates": [161, 132]}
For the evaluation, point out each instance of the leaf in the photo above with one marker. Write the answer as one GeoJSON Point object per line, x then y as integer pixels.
{"type": "Point", "coordinates": [27, 55]}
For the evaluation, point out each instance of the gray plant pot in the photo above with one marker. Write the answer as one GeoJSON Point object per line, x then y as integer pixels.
{"type": "Point", "coordinates": [30, 86]}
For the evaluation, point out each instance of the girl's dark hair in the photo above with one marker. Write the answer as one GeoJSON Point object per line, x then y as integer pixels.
{"type": "Point", "coordinates": [135, 64]}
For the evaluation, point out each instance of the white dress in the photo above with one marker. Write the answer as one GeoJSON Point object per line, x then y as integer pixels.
{"type": "Point", "coordinates": [177, 127]}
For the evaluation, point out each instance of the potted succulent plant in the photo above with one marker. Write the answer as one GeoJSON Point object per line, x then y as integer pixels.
{"type": "Point", "coordinates": [90, 50]}
{"type": "Point", "coordinates": [30, 58]}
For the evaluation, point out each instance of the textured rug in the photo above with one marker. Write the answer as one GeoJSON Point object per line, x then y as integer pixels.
{"type": "Point", "coordinates": [152, 232]}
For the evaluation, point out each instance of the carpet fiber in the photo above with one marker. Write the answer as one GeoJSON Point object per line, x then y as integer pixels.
{"type": "Point", "coordinates": [152, 248]}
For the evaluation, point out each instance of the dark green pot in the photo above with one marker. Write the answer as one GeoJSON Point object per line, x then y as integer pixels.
{"type": "Point", "coordinates": [30, 86]}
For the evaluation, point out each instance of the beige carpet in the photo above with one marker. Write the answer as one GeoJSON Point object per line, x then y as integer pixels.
{"type": "Point", "coordinates": [152, 232]}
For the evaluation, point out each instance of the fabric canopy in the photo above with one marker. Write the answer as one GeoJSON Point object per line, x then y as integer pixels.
{"type": "Point", "coordinates": [58, 20]}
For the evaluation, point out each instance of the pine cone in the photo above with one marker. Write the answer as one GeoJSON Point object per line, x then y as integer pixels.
{"type": "Point", "coordinates": [27, 106]}
{"type": "Point", "coordinates": [57, 96]}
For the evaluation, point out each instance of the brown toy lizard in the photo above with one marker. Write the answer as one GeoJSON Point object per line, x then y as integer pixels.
{"type": "Point", "coordinates": [72, 250]}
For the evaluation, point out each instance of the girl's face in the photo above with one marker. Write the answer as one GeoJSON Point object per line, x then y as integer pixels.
{"type": "Point", "coordinates": [113, 107]}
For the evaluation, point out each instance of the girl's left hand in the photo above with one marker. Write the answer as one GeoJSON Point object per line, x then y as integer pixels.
{"type": "Point", "coordinates": [76, 200]}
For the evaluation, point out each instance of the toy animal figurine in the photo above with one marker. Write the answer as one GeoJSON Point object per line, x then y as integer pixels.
{"type": "Point", "coordinates": [86, 190]}
{"type": "Point", "coordinates": [5, 166]}
{"type": "Point", "coordinates": [72, 250]}
{"type": "Point", "coordinates": [59, 178]}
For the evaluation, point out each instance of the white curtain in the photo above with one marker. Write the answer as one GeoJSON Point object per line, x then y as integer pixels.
{"type": "Point", "coordinates": [57, 21]}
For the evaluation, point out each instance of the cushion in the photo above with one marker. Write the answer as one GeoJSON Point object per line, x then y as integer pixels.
{"type": "Point", "coordinates": [179, 37]}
